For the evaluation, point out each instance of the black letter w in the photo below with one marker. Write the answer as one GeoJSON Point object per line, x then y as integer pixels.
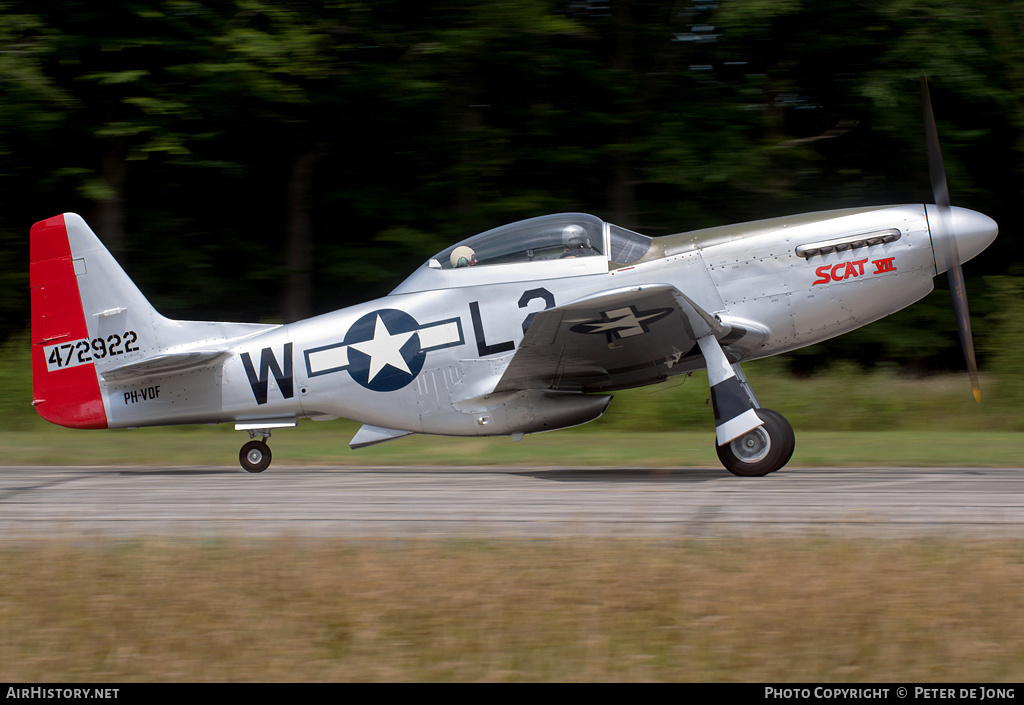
{"type": "Point", "coordinates": [268, 363]}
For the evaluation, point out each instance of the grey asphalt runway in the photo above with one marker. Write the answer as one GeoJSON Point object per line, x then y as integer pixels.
{"type": "Point", "coordinates": [697, 503]}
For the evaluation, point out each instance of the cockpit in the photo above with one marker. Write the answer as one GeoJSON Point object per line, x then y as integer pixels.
{"type": "Point", "coordinates": [551, 246]}
{"type": "Point", "coordinates": [547, 238]}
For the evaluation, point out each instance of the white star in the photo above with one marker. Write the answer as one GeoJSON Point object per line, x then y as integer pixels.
{"type": "Point", "coordinates": [384, 349]}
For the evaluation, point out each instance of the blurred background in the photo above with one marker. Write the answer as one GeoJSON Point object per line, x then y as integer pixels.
{"type": "Point", "coordinates": [267, 161]}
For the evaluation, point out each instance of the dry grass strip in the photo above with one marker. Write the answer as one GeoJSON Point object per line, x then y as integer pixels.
{"type": "Point", "coordinates": [291, 610]}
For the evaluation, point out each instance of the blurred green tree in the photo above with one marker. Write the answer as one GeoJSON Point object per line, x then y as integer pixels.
{"type": "Point", "coordinates": [269, 160]}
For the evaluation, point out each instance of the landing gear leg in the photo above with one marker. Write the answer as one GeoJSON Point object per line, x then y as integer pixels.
{"type": "Point", "coordinates": [750, 441]}
{"type": "Point", "coordinates": [255, 455]}
{"type": "Point", "coordinates": [731, 396]}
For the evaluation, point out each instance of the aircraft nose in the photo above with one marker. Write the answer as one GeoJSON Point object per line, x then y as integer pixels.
{"type": "Point", "coordinates": [973, 232]}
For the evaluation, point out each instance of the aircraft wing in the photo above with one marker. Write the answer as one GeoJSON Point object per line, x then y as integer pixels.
{"type": "Point", "coordinates": [614, 339]}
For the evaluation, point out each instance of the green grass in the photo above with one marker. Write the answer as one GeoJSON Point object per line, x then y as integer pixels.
{"type": "Point", "coordinates": [846, 416]}
{"type": "Point", "coordinates": [327, 444]}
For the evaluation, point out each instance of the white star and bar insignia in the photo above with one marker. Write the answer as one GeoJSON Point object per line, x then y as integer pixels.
{"type": "Point", "coordinates": [384, 350]}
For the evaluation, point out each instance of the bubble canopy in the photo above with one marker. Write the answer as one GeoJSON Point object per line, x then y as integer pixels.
{"type": "Point", "coordinates": [549, 237]}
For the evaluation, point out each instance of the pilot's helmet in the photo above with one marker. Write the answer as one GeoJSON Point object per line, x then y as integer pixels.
{"type": "Point", "coordinates": [575, 236]}
{"type": "Point", "coordinates": [463, 256]}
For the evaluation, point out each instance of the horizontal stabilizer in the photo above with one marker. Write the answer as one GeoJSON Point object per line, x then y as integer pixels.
{"type": "Point", "coordinates": [372, 435]}
{"type": "Point", "coordinates": [165, 364]}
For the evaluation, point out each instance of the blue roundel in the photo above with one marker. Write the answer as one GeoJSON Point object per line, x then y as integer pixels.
{"type": "Point", "coordinates": [384, 351]}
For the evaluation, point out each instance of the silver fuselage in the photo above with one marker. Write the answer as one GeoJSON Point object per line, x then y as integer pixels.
{"type": "Point", "coordinates": [426, 357]}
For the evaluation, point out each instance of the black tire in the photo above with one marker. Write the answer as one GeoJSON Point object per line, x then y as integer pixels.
{"type": "Point", "coordinates": [254, 456]}
{"type": "Point", "coordinates": [789, 438]}
{"type": "Point", "coordinates": [762, 451]}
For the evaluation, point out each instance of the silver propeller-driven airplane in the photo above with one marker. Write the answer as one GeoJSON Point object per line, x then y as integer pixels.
{"type": "Point", "coordinates": [517, 330]}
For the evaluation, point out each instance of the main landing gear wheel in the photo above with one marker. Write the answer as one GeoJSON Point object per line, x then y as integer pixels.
{"type": "Point", "coordinates": [762, 451]}
{"type": "Point", "coordinates": [254, 456]}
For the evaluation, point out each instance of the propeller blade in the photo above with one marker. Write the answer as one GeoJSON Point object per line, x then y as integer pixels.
{"type": "Point", "coordinates": [957, 290]}
{"type": "Point", "coordinates": [958, 293]}
{"type": "Point", "coordinates": [936, 168]}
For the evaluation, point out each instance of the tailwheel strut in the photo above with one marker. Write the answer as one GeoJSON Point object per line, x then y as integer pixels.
{"type": "Point", "coordinates": [255, 455]}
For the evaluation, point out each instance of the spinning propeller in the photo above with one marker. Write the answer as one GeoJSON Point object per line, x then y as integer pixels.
{"type": "Point", "coordinates": [944, 237]}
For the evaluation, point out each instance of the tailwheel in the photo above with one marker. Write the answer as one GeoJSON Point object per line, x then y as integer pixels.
{"type": "Point", "coordinates": [762, 451]}
{"type": "Point", "coordinates": [255, 456]}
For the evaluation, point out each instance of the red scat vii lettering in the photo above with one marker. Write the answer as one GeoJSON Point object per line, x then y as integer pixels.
{"type": "Point", "coordinates": [884, 265]}
{"type": "Point", "coordinates": [849, 270]}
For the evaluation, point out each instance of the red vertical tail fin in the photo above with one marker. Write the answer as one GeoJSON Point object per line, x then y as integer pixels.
{"type": "Point", "coordinates": [65, 390]}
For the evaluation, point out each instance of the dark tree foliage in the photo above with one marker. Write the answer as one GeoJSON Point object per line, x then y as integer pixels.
{"type": "Point", "coordinates": [271, 160]}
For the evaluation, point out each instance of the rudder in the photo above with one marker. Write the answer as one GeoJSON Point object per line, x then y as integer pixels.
{"type": "Point", "coordinates": [63, 391]}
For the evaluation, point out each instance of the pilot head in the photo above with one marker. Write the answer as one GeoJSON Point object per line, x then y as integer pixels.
{"type": "Point", "coordinates": [463, 256]}
{"type": "Point", "coordinates": [575, 239]}
{"type": "Point", "coordinates": [574, 235]}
